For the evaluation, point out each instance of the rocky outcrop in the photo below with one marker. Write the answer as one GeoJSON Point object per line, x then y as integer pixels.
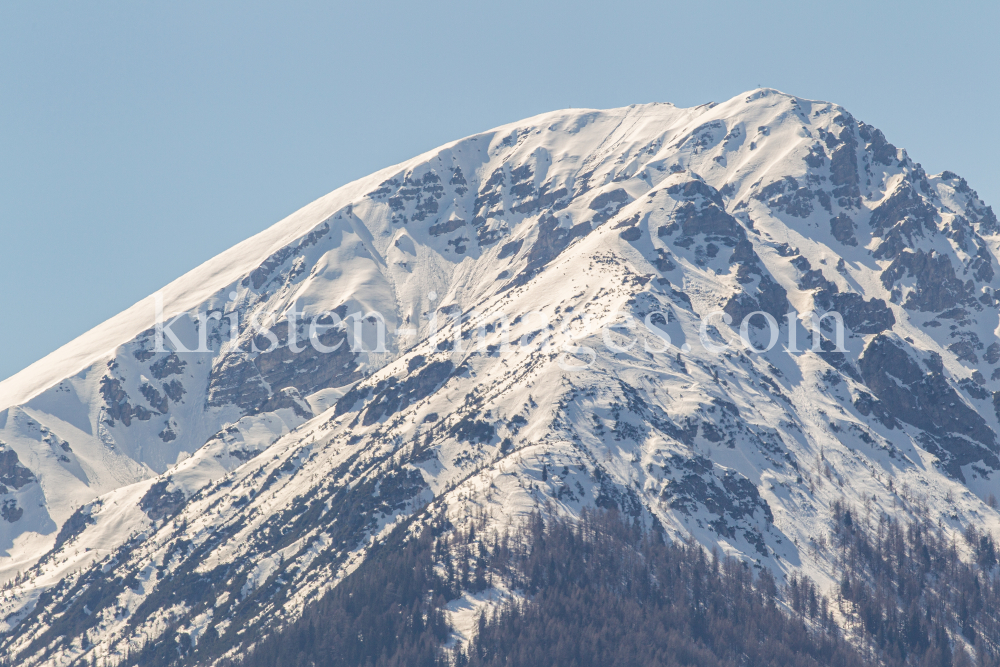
{"type": "Point", "coordinates": [10, 512]}
{"type": "Point", "coordinates": [900, 220]}
{"type": "Point", "coordinates": [859, 315]}
{"type": "Point", "coordinates": [844, 161]}
{"type": "Point", "coordinates": [392, 395]}
{"type": "Point", "coordinates": [159, 504]}
{"type": "Point", "coordinates": [787, 196]}
{"type": "Point", "coordinates": [842, 228]}
{"type": "Point", "coordinates": [937, 286]}
{"type": "Point", "coordinates": [13, 475]}
{"type": "Point", "coordinates": [167, 366]}
{"type": "Point", "coordinates": [733, 499]}
{"type": "Point", "coordinates": [551, 240]}
{"type": "Point", "coordinates": [117, 405]}
{"type": "Point", "coordinates": [253, 381]}
{"type": "Point", "coordinates": [607, 204]}
{"type": "Point", "coordinates": [75, 524]}
{"type": "Point", "coordinates": [761, 291]}
{"type": "Point", "coordinates": [923, 398]}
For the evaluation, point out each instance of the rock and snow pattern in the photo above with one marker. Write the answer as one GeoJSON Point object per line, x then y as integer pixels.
{"type": "Point", "coordinates": [542, 317]}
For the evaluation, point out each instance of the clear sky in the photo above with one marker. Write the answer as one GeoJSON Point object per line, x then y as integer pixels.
{"type": "Point", "coordinates": [138, 139]}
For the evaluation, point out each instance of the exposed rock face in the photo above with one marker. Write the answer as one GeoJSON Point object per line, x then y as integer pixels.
{"type": "Point", "coordinates": [10, 512]}
{"type": "Point", "coordinates": [552, 239]}
{"type": "Point", "coordinates": [786, 196]}
{"type": "Point", "coordinates": [249, 379]}
{"type": "Point", "coordinates": [607, 204]}
{"type": "Point", "coordinates": [937, 286]}
{"type": "Point", "coordinates": [700, 211]}
{"type": "Point", "coordinates": [167, 366]}
{"type": "Point", "coordinates": [74, 526]}
{"type": "Point", "coordinates": [844, 161]}
{"type": "Point", "coordinates": [13, 475]}
{"type": "Point", "coordinates": [860, 316]}
{"type": "Point", "coordinates": [269, 271]}
{"type": "Point", "coordinates": [900, 220]}
{"type": "Point", "coordinates": [925, 399]}
{"type": "Point", "coordinates": [727, 495]}
{"type": "Point", "coordinates": [237, 381]}
{"type": "Point", "coordinates": [391, 396]}
{"type": "Point", "coordinates": [842, 228]}
{"type": "Point", "coordinates": [311, 369]}
{"type": "Point", "coordinates": [766, 295]}
{"type": "Point", "coordinates": [864, 317]}
{"type": "Point", "coordinates": [159, 504]}
{"type": "Point", "coordinates": [447, 226]}
{"type": "Point", "coordinates": [118, 407]}
{"type": "Point", "coordinates": [159, 402]}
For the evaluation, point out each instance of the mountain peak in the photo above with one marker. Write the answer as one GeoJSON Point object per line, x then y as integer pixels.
{"type": "Point", "coordinates": [586, 308]}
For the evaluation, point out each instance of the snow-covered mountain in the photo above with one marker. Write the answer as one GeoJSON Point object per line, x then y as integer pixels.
{"type": "Point", "coordinates": [152, 496]}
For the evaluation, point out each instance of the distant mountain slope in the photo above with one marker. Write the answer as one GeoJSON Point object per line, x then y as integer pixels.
{"type": "Point", "coordinates": [177, 497]}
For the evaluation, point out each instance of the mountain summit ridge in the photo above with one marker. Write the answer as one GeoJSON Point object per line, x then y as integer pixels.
{"type": "Point", "coordinates": [185, 493]}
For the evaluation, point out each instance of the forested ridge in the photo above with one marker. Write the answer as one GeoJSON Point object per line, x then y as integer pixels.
{"type": "Point", "coordinates": [910, 597]}
{"type": "Point", "coordinates": [602, 591]}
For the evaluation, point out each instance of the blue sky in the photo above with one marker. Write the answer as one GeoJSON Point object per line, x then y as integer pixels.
{"type": "Point", "coordinates": [139, 139]}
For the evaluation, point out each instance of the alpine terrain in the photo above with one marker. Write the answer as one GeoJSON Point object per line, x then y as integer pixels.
{"type": "Point", "coordinates": [414, 406]}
